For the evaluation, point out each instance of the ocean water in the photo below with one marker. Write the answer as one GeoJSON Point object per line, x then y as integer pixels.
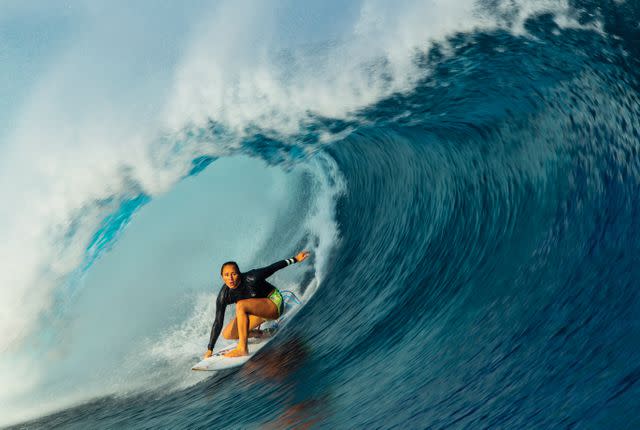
{"type": "Point", "coordinates": [466, 175]}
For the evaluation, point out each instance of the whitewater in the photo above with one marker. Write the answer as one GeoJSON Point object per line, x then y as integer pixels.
{"type": "Point", "coordinates": [465, 175]}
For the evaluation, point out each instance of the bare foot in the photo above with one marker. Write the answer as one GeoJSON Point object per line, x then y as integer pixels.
{"type": "Point", "coordinates": [236, 353]}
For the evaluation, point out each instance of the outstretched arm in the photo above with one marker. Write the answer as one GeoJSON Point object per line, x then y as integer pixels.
{"type": "Point", "coordinates": [221, 306]}
{"type": "Point", "coordinates": [265, 272]}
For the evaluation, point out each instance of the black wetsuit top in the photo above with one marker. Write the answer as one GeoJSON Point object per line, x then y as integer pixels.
{"type": "Point", "coordinates": [253, 285]}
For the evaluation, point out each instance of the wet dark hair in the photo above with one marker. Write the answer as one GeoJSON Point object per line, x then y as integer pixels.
{"type": "Point", "coordinates": [229, 263]}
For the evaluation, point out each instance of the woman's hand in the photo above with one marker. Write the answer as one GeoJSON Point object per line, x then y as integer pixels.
{"type": "Point", "coordinates": [302, 256]}
{"type": "Point", "coordinates": [208, 354]}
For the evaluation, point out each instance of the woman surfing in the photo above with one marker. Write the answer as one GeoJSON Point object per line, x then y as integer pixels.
{"type": "Point", "coordinates": [256, 301]}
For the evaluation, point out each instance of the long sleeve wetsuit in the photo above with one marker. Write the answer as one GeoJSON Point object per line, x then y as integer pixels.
{"type": "Point", "coordinates": [253, 285]}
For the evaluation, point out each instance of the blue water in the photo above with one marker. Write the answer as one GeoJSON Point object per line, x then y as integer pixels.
{"type": "Point", "coordinates": [486, 268]}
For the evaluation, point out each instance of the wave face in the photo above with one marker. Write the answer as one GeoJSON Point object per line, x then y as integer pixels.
{"type": "Point", "coordinates": [470, 196]}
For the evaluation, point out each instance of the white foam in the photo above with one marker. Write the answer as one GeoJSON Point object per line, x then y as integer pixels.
{"type": "Point", "coordinates": [241, 79]}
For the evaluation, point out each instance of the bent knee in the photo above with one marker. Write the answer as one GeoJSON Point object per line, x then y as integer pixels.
{"type": "Point", "coordinates": [241, 306]}
{"type": "Point", "coordinates": [228, 334]}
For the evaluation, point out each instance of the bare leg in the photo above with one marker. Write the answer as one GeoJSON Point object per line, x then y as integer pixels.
{"type": "Point", "coordinates": [243, 331]}
{"type": "Point", "coordinates": [231, 330]}
{"type": "Point", "coordinates": [263, 308]}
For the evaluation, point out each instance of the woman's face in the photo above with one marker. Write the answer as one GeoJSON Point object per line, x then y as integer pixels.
{"type": "Point", "coordinates": [230, 276]}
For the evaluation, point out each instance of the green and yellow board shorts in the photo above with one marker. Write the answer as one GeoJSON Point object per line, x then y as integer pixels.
{"type": "Point", "coordinates": [276, 298]}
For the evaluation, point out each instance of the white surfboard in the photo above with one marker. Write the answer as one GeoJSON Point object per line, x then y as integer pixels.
{"type": "Point", "coordinates": [219, 362]}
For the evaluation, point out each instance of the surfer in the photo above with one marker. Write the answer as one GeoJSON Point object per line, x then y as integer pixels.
{"type": "Point", "coordinates": [256, 300]}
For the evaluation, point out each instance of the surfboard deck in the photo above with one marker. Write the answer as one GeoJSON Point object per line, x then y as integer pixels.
{"type": "Point", "coordinates": [219, 362]}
